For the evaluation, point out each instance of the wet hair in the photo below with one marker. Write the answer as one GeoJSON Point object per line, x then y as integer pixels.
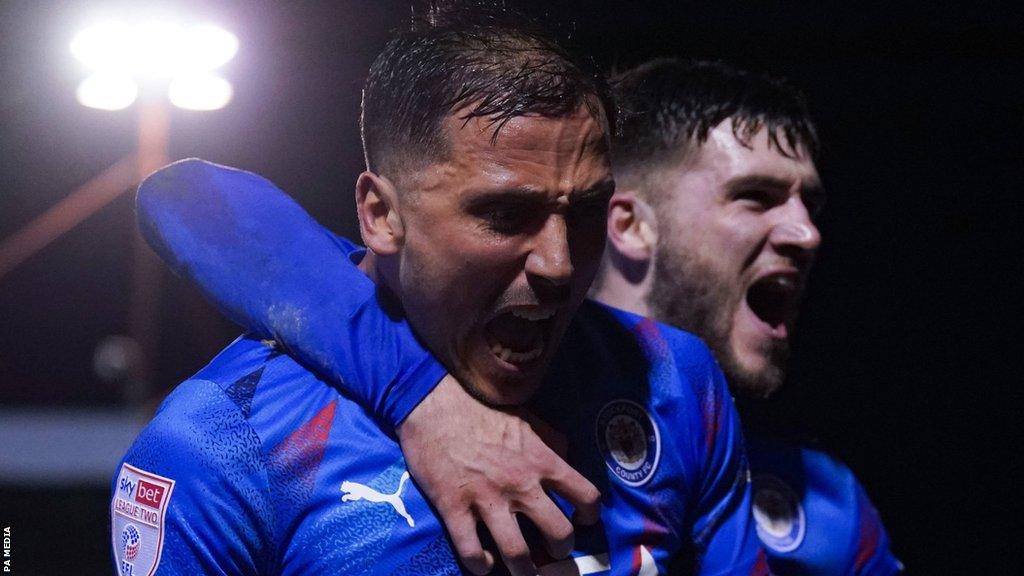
{"type": "Point", "coordinates": [669, 105]}
{"type": "Point", "coordinates": [475, 60]}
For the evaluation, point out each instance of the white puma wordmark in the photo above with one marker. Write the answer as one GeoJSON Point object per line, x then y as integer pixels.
{"type": "Point", "coordinates": [354, 491]}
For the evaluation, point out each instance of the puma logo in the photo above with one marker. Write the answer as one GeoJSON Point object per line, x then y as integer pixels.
{"type": "Point", "coordinates": [354, 491]}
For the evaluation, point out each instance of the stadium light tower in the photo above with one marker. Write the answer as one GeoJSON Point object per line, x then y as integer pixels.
{"type": "Point", "coordinates": [153, 62]}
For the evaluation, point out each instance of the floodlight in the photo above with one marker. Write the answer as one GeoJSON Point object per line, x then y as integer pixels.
{"type": "Point", "coordinates": [156, 48]}
{"type": "Point", "coordinates": [200, 92]}
{"type": "Point", "coordinates": [107, 91]}
{"type": "Point", "coordinates": [104, 46]}
{"type": "Point", "coordinates": [122, 54]}
{"type": "Point", "coordinates": [206, 47]}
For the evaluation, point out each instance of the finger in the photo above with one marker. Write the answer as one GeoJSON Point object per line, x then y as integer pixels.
{"type": "Point", "coordinates": [552, 523]}
{"type": "Point", "coordinates": [584, 496]}
{"type": "Point", "coordinates": [462, 529]}
{"type": "Point", "coordinates": [509, 539]}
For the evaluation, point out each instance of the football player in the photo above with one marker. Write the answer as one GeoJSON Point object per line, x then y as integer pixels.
{"type": "Point", "coordinates": [483, 208]}
{"type": "Point", "coordinates": [712, 229]}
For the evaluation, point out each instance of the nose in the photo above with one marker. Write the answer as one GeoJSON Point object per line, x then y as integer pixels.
{"type": "Point", "coordinates": [795, 232]}
{"type": "Point", "coordinates": [549, 264]}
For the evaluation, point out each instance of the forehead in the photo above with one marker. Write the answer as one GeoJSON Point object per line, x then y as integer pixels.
{"type": "Point", "coordinates": [723, 157]}
{"type": "Point", "coordinates": [558, 154]}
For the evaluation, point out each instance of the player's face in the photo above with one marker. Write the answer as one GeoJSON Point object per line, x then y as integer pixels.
{"type": "Point", "coordinates": [502, 242]}
{"type": "Point", "coordinates": [735, 243]}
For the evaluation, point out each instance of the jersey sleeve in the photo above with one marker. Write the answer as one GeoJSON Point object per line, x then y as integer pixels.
{"type": "Point", "coordinates": [272, 268]}
{"type": "Point", "coordinates": [873, 554]}
{"type": "Point", "coordinates": [190, 495]}
{"type": "Point", "coordinates": [723, 531]}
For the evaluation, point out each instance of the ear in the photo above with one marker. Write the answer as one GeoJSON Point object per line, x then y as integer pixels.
{"type": "Point", "coordinates": [632, 228]}
{"type": "Point", "coordinates": [380, 222]}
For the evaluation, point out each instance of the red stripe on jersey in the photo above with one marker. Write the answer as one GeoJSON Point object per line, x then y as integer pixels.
{"type": "Point", "coordinates": [761, 565]}
{"type": "Point", "coordinates": [299, 455]}
{"type": "Point", "coordinates": [870, 534]}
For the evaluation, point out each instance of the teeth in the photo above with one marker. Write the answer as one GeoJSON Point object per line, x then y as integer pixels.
{"type": "Point", "coordinates": [523, 357]}
{"type": "Point", "coordinates": [787, 282]}
{"type": "Point", "coordinates": [507, 355]}
{"type": "Point", "coordinates": [780, 283]}
{"type": "Point", "coordinates": [534, 314]}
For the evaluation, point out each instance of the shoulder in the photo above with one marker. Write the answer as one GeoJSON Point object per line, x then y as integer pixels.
{"type": "Point", "coordinates": [202, 426]}
{"type": "Point", "coordinates": [830, 519]}
{"type": "Point", "coordinates": [662, 366]}
{"type": "Point", "coordinates": [248, 395]}
{"type": "Point", "coordinates": [798, 464]}
{"type": "Point", "coordinates": [604, 325]}
{"type": "Point", "coordinates": [194, 481]}
{"type": "Point", "coordinates": [669, 372]}
{"type": "Point", "coordinates": [197, 479]}
{"type": "Point", "coordinates": [198, 440]}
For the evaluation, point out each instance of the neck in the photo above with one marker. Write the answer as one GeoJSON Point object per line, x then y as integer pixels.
{"type": "Point", "coordinates": [375, 268]}
{"type": "Point", "coordinates": [624, 284]}
{"type": "Point", "coordinates": [369, 266]}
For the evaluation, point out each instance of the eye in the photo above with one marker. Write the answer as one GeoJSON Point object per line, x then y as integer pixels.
{"type": "Point", "coordinates": [586, 213]}
{"type": "Point", "coordinates": [757, 198]}
{"type": "Point", "coordinates": [506, 219]}
{"type": "Point", "coordinates": [590, 207]}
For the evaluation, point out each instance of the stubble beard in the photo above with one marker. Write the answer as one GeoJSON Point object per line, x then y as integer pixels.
{"type": "Point", "coordinates": [690, 293]}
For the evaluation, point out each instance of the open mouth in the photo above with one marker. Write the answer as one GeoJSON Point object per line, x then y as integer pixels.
{"type": "Point", "coordinates": [775, 299]}
{"type": "Point", "coordinates": [519, 335]}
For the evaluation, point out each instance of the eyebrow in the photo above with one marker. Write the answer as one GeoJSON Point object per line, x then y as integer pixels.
{"type": "Point", "coordinates": [812, 189]}
{"type": "Point", "coordinates": [600, 191]}
{"type": "Point", "coordinates": [521, 194]}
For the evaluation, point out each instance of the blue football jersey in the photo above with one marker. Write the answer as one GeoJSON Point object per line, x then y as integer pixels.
{"type": "Point", "coordinates": [257, 466]}
{"type": "Point", "coordinates": [644, 407]}
{"type": "Point", "coordinates": [812, 515]}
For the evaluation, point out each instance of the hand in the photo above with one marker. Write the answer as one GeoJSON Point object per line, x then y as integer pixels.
{"type": "Point", "coordinates": [477, 463]}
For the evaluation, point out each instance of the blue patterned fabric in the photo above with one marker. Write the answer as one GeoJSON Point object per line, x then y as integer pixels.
{"type": "Point", "coordinates": [812, 515]}
{"type": "Point", "coordinates": [644, 407]}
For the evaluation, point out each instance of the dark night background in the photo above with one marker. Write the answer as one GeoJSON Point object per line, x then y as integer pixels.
{"type": "Point", "coordinates": [904, 366]}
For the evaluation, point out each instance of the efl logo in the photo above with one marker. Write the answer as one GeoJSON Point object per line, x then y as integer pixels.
{"type": "Point", "coordinates": [149, 494]}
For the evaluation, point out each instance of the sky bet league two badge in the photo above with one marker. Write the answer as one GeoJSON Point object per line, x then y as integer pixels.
{"type": "Point", "coordinates": [137, 515]}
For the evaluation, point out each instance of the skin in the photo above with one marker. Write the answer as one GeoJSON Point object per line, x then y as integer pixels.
{"type": "Point", "coordinates": [513, 223]}
{"type": "Point", "coordinates": [516, 223]}
{"type": "Point", "coordinates": [730, 215]}
{"type": "Point", "coordinates": [504, 459]}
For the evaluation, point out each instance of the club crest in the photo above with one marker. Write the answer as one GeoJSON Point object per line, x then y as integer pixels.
{"type": "Point", "coordinates": [778, 514]}
{"type": "Point", "coordinates": [629, 441]}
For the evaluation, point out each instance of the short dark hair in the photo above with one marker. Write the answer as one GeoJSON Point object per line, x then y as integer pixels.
{"type": "Point", "coordinates": [485, 61]}
{"type": "Point", "coordinates": [668, 104]}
